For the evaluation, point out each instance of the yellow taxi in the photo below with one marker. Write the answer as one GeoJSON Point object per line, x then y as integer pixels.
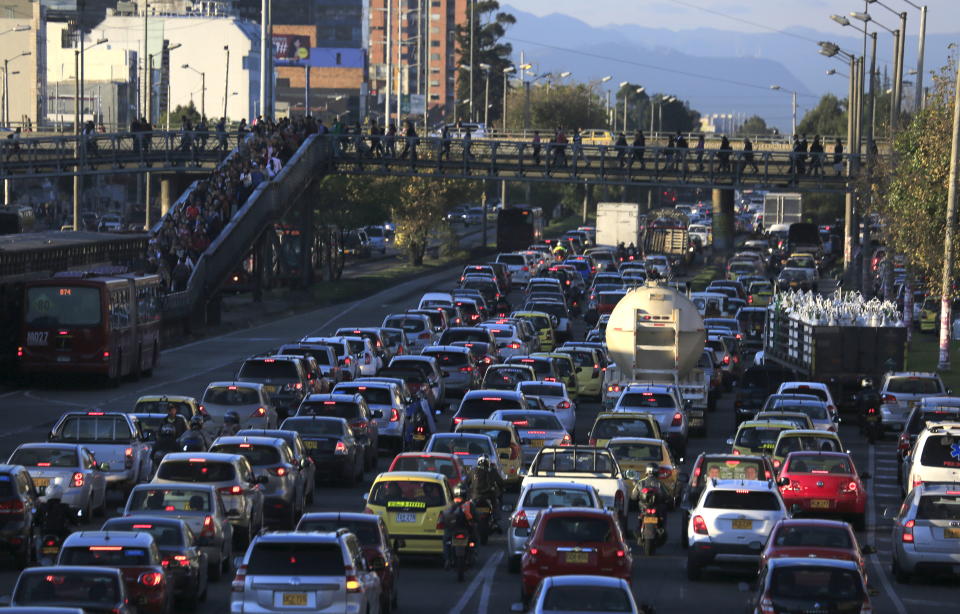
{"type": "Point", "coordinates": [589, 370]}
{"type": "Point", "coordinates": [929, 319]}
{"type": "Point", "coordinates": [801, 440]}
{"type": "Point", "coordinates": [544, 325]}
{"type": "Point", "coordinates": [608, 425]}
{"type": "Point", "coordinates": [638, 452]}
{"type": "Point", "coordinates": [566, 370]}
{"type": "Point", "coordinates": [759, 294]}
{"type": "Point", "coordinates": [505, 439]}
{"type": "Point", "coordinates": [758, 437]}
{"type": "Point", "coordinates": [187, 407]}
{"type": "Point", "coordinates": [410, 504]}
{"type": "Point", "coordinates": [596, 136]}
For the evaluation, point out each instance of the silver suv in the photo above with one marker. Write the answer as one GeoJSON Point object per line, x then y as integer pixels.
{"type": "Point", "coordinates": [926, 531]}
{"type": "Point", "coordinates": [901, 391]}
{"type": "Point", "coordinates": [316, 572]}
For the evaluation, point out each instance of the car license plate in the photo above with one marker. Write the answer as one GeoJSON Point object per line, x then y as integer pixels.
{"type": "Point", "coordinates": [819, 504]}
{"type": "Point", "coordinates": [41, 482]}
{"type": "Point", "coordinates": [269, 389]}
{"type": "Point", "coordinates": [577, 557]}
{"type": "Point", "coordinates": [63, 359]}
{"type": "Point", "coordinates": [406, 517]}
{"type": "Point", "coordinates": [310, 445]}
{"type": "Point", "coordinates": [536, 443]}
{"type": "Point", "coordinates": [483, 509]}
{"type": "Point", "coordinates": [460, 541]}
{"type": "Point", "coordinates": [295, 599]}
{"type": "Point", "coordinates": [951, 533]}
{"type": "Point", "coordinates": [696, 421]}
{"type": "Point", "coordinates": [419, 436]}
{"type": "Point", "coordinates": [49, 550]}
{"type": "Point", "coordinates": [650, 520]}
{"type": "Point", "coordinates": [744, 524]}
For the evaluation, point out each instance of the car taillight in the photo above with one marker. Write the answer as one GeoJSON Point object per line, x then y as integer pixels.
{"type": "Point", "coordinates": [77, 481]}
{"type": "Point", "coordinates": [14, 506]}
{"type": "Point", "coordinates": [423, 336]}
{"type": "Point", "coordinates": [699, 525]}
{"type": "Point", "coordinates": [849, 487]}
{"type": "Point", "coordinates": [359, 426]}
{"type": "Point", "coordinates": [466, 369]}
{"type": "Point", "coordinates": [534, 551]}
{"type": "Point", "coordinates": [677, 419]}
{"type": "Point", "coordinates": [208, 528]}
{"type": "Point", "coordinates": [563, 405]}
{"type": "Point", "coordinates": [614, 388]}
{"type": "Point", "coordinates": [239, 580]}
{"type": "Point", "coordinates": [726, 359]}
{"type": "Point", "coordinates": [514, 346]}
{"type": "Point", "coordinates": [457, 420]}
{"type": "Point", "coordinates": [128, 458]}
{"type": "Point", "coordinates": [766, 605]}
{"type": "Point", "coordinates": [592, 441]}
{"type": "Point", "coordinates": [567, 440]}
{"type": "Point", "coordinates": [278, 471]}
{"type": "Point", "coordinates": [525, 268]}
{"type": "Point", "coordinates": [736, 452]}
{"type": "Point", "coordinates": [903, 445]}
{"type": "Point", "coordinates": [907, 536]}
{"type": "Point", "coordinates": [917, 482]}
{"type": "Point", "coordinates": [750, 300]}
{"type": "Point", "coordinates": [664, 473]}
{"type": "Point", "coordinates": [340, 449]}
{"type": "Point", "coordinates": [352, 584]}
{"type": "Point", "coordinates": [440, 524]}
{"type": "Point", "coordinates": [394, 415]}
{"type": "Point", "coordinates": [231, 490]}
{"type": "Point", "coordinates": [888, 398]}
{"type": "Point", "coordinates": [19, 351]}
{"type": "Point", "coordinates": [150, 578]}
{"type": "Point", "coordinates": [519, 520]}
{"type": "Point", "coordinates": [259, 412]}
{"type": "Point", "coordinates": [346, 361]}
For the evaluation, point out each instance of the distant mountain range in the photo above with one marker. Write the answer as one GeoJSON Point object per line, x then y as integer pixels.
{"type": "Point", "coordinates": [717, 71]}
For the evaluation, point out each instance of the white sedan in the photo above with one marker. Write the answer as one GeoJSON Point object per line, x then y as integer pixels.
{"type": "Point", "coordinates": [72, 467]}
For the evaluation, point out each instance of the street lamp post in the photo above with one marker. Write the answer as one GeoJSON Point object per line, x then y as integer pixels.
{"type": "Point", "coordinates": [6, 87]}
{"type": "Point", "coordinates": [226, 82]}
{"type": "Point", "coordinates": [506, 71]}
{"type": "Point", "coordinates": [486, 95]}
{"type": "Point", "coordinates": [203, 89]}
{"type": "Point", "coordinates": [793, 96]}
{"type": "Point", "coordinates": [918, 90]}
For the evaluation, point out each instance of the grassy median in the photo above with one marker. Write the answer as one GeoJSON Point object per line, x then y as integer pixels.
{"type": "Point", "coordinates": [923, 355]}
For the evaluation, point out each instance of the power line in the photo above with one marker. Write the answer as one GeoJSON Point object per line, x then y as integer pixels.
{"type": "Point", "coordinates": [741, 20]}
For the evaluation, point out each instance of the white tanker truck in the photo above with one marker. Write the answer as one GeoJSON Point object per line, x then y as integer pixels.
{"type": "Point", "coordinates": [656, 335]}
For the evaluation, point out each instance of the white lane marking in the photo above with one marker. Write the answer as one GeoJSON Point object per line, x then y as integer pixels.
{"type": "Point", "coordinates": [19, 431]}
{"type": "Point", "coordinates": [939, 604]}
{"type": "Point", "coordinates": [871, 536]}
{"type": "Point", "coordinates": [886, 487]}
{"type": "Point", "coordinates": [467, 595]}
{"type": "Point", "coordinates": [484, 605]}
{"type": "Point", "coordinates": [9, 394]}
{"type": "Point", "coordinates": [31, 395]}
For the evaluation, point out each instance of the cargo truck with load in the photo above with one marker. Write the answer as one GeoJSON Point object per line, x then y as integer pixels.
{"type": "Point", "coordinates": [619, 223]}
{"type": "Point", "coordinates": [655, 335]}
{"type": "Point", "coordinates": [838, 342]}
{"type": "Point", "coordinates": [782, 208]}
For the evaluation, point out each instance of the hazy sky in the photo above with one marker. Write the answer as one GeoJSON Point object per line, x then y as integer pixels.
{"type": "Point", "coordinates": [943, 15]}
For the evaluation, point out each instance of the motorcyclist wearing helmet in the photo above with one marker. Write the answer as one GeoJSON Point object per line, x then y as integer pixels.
{"type": "Point", "coordinates": [231, 424]}
{"type": "Point", "coordinates": [173, 418]}
{"type": "Point", "coordinates": [486, 485]}
{"type": "Point", "coordinates": [868, 398]}
{"type": "Point", "coordinates": [167, 441]}
{"type": "Point", "coordinates": [651, 489]}
{"type": "Point", "coordinates": [194, 440]}
{"type": "Point", "coordinates": [459, 516]}
{"type": "Point", "coordinates": [54, 517]}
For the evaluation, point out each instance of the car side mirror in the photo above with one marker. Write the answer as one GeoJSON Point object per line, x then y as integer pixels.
{"type": "Point", "coordinates": [365, 496]}
{"type": "Point", "coordinates": [148, 436]}
{"type": "Point", "coordinates": [522, 472]}
{"type": "Point", "coordinates": [730, 441]}
{"type": "Point", "coordinates": [631, 474]}
{"type": "Point", "coordinates": [506, 507]}
{"type": "Point", "coordinates": [52, 436]}
{"type": "Point", "coordinates": [378, 413]}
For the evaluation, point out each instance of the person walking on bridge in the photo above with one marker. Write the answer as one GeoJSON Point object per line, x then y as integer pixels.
{"type": "Point", "coordinates": [621, 146]}
{"type": "Point", "coordinates": [639, 144]}
{"type": "Point", "coordinates": [838, 156]}
{"type": "Point", "coordinates": [816, 157]}
{"type": "Point", "coordinates": [748, 159]}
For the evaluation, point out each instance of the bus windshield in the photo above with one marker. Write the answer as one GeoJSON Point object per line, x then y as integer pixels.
{"type": "Point", "coordinates": [56, 306]}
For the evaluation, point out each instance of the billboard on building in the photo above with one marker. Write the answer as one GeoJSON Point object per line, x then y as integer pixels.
{"type": "Point", "coordinates": [290, 48]}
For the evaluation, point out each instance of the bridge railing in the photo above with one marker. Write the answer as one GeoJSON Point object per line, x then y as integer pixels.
{"type": "Point", "coordinates": [267, 202]}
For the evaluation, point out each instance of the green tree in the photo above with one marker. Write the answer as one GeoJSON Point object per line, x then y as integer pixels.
{"type": "Point", "coordinates": [754, 125]}
{"type": "Point", "coordinates": [637, 105]}
{"type": "Point", "coordinates": [420, 209]}
{"type": "Point", "coordinates": [677, 115]}
{"type": "Point", "coordinates": [828, 118]}
{"type": "Point", "coordinates": [176, 116]}
{"type": "Point", "coordinates": [490, 26]}
{"type": "Point", "coordinates": [568, 106]}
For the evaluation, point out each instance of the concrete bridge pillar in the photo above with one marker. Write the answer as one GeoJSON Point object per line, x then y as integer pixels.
{"type": "Point", "coordinates": [146, 201]}
{"type": "Point", "coordinates": [723, 224]}
{"type": "Point", "coordinates": [165, 196]}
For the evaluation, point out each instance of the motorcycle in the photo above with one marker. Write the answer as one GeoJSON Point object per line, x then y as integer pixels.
{"type": "Point", "coordinates": [653, 532]}
{"type": "Point", "coordinates": [463, 549]}
{"type": "Point", "coordinates": [48, 549]}
{"type": "Point", "coordinates": [871, 425]}
{"type": "Point", "coordinates": [486, 519]}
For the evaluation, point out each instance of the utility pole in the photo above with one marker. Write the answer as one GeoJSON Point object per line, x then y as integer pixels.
{"type": "Point", "coordinates": [918, 93]}
{"type": "Point", "coordinates": [226, 83]}
{"type": "Point", "coordinates": [146, 69]}
{"type": "Point", "coordinates": [865, 263]}
{"type": "Point", "coordinates": [473, 63]}
{"type": "Point", "coordinates": [388, 56]}
{"type": "Point", "coordinates": [898, 82]}
{"type": "Point", "coordinates": [401, 14]}
{"type": "Point", "coordinates": [265, 53]}
{"type": "Point", "coordinates": [946, 288]}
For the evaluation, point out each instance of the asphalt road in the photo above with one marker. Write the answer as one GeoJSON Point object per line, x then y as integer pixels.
{"type": "Point", "coordinates": [425, 586]}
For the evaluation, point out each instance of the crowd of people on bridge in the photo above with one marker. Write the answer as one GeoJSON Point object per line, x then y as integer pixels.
{"type": "Point", "coordinates": [195, 221]}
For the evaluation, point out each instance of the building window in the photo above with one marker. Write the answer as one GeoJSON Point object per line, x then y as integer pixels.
{"type": "Point", "coordinates": [434, 17]}
{"type": "Point", "coordinates": [434, 83]}
{"type": "Point", "coordinates": [434, 56]}
{"type": "Point", "coordinates": [339, 59]}
{"type": "Point", "coordinates": [434, 96]}
{"type": "Point", "coordinates": [434, 29]}
{"type": "Point", "coordinates": [434, 43]}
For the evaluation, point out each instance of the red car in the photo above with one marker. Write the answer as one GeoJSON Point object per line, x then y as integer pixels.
{"type": "Point", "coordinates": [824, 483]}
{"type": "Point", "coordinates": [814, 538]}
{"type": "Point", "coordinates": [435, 462]}
{"type": "Point", "coordinates": [568, 541]}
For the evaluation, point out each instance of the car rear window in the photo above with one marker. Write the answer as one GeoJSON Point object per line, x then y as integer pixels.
{"type": "Point", "coordinates": [169, 500]}
{"type": "Point", "coordinates": [373, 395]}
{"type": "Point", "coordinates": [337, 409]}
{"type": "Point", "coordinates": [816, 412]}
{"type": "Point", "coordinates": [409, 325]}
{"type": "Point", "coordinates": [817, 392]}
{"type": "Point", "coordinates": [556, 497]}
{"type": "Point", "coordinates": [574, 461]}
{"type": "Point", "coordinates": [636, 451]}
{"type": "Point", "coordinates": [941, 451]}
{"type": "Point", "coordinates": [622, 427]}
{"type": "Point", "coordinates": [812, 536]}
{"type": "Point", "coordinates": [913, 385]}
{"type": "Point", "coordinates": [407, 494]}
{"type": "Point", "coordinates": [299, 558]}
{"type": "Point", "coordinates": [647, 399]}
{"type": "Point", "coordinates": [806, 583]}
{"type": "Point", "coordinates": [512, 259]}
{"type": "Point", "coordinates": [231, 395]}
{"type": "Point", "coordinates": [756, 437]}
{"type": "Point", "coordinates": [920, 419]}
{"type": "Point", "coordinates": [760, 501]}
{"type": "Point", "coordinates": [543, 389]}
{"type": "Point", "coordinates": [196, 471]}
{"type": "Point", "coordinates": [366, 532]}
{"type": "Point", "coordinates": [540, 366]}
{"type": "Point", "coordinates": [309, 427]}
{"type": "Point", "coordinates": [501, 438]}
{"type": "Point", "coordinates": [106, 555]}
{"type": "Point", "coordinates": [64, 586]}
{"type": "Point", "coordinates": [258, 455]}
{"type": "Point", "coordinates": [730, 469]}
{"type": "Point", "coordinates": [806, 442]}
{"type": "Point", "coordinates": [482, 407]}
{"type": "Point", "coordinates": [451, 336]}
{"type": "Point", "coordinates": [44, 457]}
{"type": "Point", "coordinates": [815, 463]}
{"type": "Point", "coordinates": [578, 529]}
{"type": "Point", "coordinates": [95, 429]}
{"type": "Point", "coordinates": [162, 407]}
{"type": "Point", "coordinates": [537, 421]}
{"type": "Point", "coordinates": [939, 507]}
{"type": "Point", "coordinates": [463, 446]}
{"type": "Point", "coordinates": [429, 463]}
{"type": "Point", "coordinates": [163, 535]}
{"type": "Point", "coordinates": [449, 359]}
{"type": "Point", "coordinates": [268, 369]}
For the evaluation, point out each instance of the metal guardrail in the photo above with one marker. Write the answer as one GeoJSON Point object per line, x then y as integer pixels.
{"type": "Point", "coordinates": [121, 152]}
{"type": "Point", "coordinates": [602, 164]}
{"type": "Point", "coordinates": [264, 206]}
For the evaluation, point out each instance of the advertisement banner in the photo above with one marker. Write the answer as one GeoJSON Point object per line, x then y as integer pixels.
{"type": "Point", "coordinates": [290, 48]}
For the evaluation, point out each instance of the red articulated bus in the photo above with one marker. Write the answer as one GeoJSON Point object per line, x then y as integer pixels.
{"type": "Point", "coordinates": [78, 322]}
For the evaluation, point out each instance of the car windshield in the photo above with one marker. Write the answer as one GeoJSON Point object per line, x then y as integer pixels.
{"type": "Point", "coordinates": [196, 470]}
{"type": "Point", "coordinates": [337, 409]}
{"type": "Point", "coordinates": [647, 399]}
{"type": "Point", "coordinates": [556, 497]}
{"type": "Point", "coordinates": [542, 389]}
{"type": "Point", "coordinates": [731, 469]}
{"type": "Point", "coordinates": [268, 369]}
{"type": "Point", "coordinates": [258, 455]}
{"type": "Point", "coordinates": [462, 446]}
{"type": "Point", "coordinates": [578, 529]}
{"type": "Point", "coordinates": [758, 437]}
{"type": "Point", "coordinates": [95, 429]}
{"type": "Point", "coordinates": [817, 392]}
{"type": "Point", "coordinates": [622, 427]}
{"type": "Point", "coordinates": [815, 463]}
{"type": "Point", "coordinates": [742, 500]}
{"type": "Point", "coordinates": [793, 275]}
{"type": "Point", "coordinates": [433, 464]}
{"type": "Point", "coordinates": [939, 507]}
{"type": "Point", "coordinates": [106, 555]}
{"type": "Point", "coordinates": [409, 325]}
{"type": "Point", "coordinates": [231, 395]}
{"type": "Point", "coordinates": [636, 451]}
{"type": "Point", "coordinates": [449, 359]}
{"type": "Point", "coordinates": [919, 420]}
{"type": "Point", "coordinates": [366, 531]}
{"type": "Point", "coordinates": [812, 536]}
{"type": "Point", "coordinates": [806, 583]}
{"type": "Point", "coordinates": [310, 427]}
{"type": "Point", "coordinates": [44, 457]}
{"type": "Point", "coordinates": [169, 500]}
{"type": "Point", "coordinates": [68, 306]}
{"type": "Point", "coordinates": [586, 599]}
{"type": "Point", "coordinates": [163, 534]}
{"type": "Point", "coordinates": [941, 451]}
{"type": "Point", "coordinates": [373, 395]}
{"type": "Point", "coordinates": [796, 443]}
{"type": "Point", "coordinates": [523, 420]}
{"type": "Point", "coordinates": [415, 495]}
{"type": "Point", "coordinates": [295, 558]}
{"type": "Point", "coordinates": [512, 259]}
{"type": "Point", "coordinates": [162, 407]}
{"type": "Point", "coordinates": [64, 586]}
{"type": "Point", "coordinates": [914, 385]}
{"type": "Point", "coordinates": [815, 411]}
{"type": "Point", "coordinates": [576, 461]}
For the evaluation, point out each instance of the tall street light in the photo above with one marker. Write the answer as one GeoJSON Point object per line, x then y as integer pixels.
{"type": "Point", "coordinates": [6, 88]}
{"type": "Point", "coordinates": [639, 90]}
{"type": "Point", "coordinates": [918, 90]}
{"type": "Point", "coordinates": [898, 46]}
{"type": "Point", "coordinates": [793, 96]}
{"type": "Point", "coordinates": [621, 85]}
{"type": "Point", "coordinates": [169, 99]}
{"type": "Point", "coordinates": [226, 82]}
{"type": "Point", "coordinates": [486, 95]}
{"type": "Point", "coordinates": [606, 108]}
{"type": "Point", "coordinates": [506, 73]}
{"type": "Point", "coordinates": [203, 89]}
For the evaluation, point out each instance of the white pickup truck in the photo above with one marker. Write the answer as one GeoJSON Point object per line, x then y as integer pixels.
{"type": "Point", "coordinates": [584, 465]}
